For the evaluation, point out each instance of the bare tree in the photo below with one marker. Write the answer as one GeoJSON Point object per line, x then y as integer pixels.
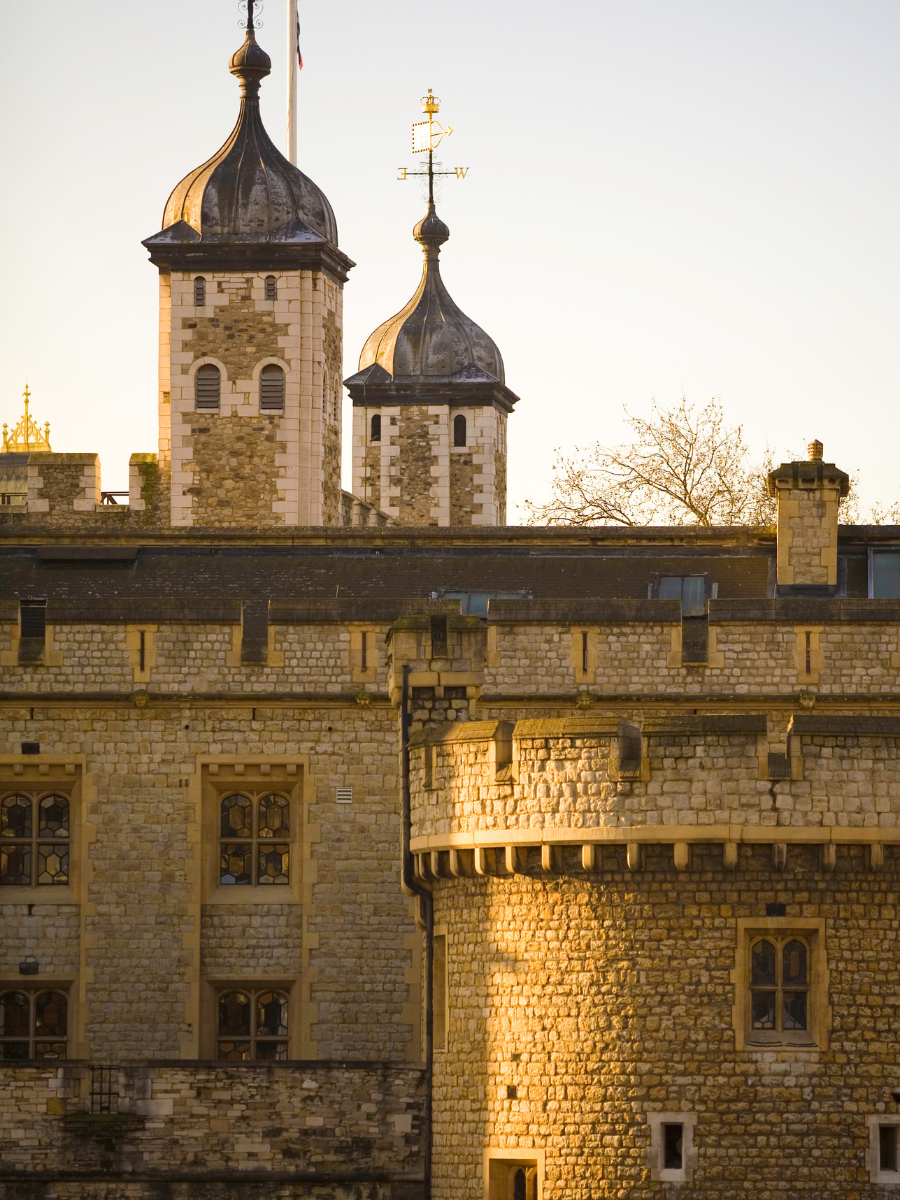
{"type": "Point", "coordinates": [683, 466]}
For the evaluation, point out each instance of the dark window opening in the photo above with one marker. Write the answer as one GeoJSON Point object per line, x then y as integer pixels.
{"type": "Point", "coordinates": [31, 747]}
{"type": "Point", "coordinates": [689, 589]}
{"type": "Point", "coordinates": [584, 653]}
{"type": "Point", "coordinates": [143, 649]}
{"type": "Point", "coordinates": [271, 286]}
{"type": "Point", "coordinates": [207, 386]}
{"type": "Point", "coordinates": [459, 431]}
{"type": "Point", "coordinates": [271, 389]}
{"type": "Point", "coordinates": [520, 1189]}
{"type": "Point", "coordinates": [33, 618]}
{"type": "Point", "coordinates": [438, 637]}
{"type": "Point", "coordinates": [885, 574]}
{"type": "Point", "coordinates": [199, 291]}
{"type": "Point", "coordinates": [887, 1147]}
{"type": "Point", "coordinates": [375, 428]}
{"type": "Point", "coordinates": [673, 1143]}
{"type": "Point", "coordinates": [364, 651]}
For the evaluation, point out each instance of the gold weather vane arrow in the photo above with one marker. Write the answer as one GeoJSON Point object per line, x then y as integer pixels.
{"type": "Point", "coordinates": [427, 135]}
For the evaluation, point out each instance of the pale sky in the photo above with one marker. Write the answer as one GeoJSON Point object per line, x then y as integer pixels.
{"type": "Point", "coordinates": [661, 196]}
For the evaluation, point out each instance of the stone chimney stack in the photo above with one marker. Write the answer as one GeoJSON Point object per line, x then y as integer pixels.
{"type": "Point", "coordinates": [807, 495]}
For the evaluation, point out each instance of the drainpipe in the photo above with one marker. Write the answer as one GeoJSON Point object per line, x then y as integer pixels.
{"type": "Point", "coordinates": [426, 906]}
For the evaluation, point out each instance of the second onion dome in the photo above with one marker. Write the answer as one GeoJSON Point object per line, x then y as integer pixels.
{"type": "Point", "coordinates": [431, 344]}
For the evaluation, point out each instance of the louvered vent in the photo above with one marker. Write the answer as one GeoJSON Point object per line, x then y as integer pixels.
{"type": "Point", "coordinates": [271, 389]}
{"type": "Point", "coordinates": [199, 291]}
{"type": "Point", "coordinates": [208, 385]}
{"type": "Point", "coordinates": [344, 795]}
{"type": "Point", "coordinates": [271, 288]}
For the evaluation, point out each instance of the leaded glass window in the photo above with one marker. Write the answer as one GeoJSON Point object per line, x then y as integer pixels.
{"type": "Point", "coordinates": [252, 1024]}
{"type": "Point", "coordinates": [254, 839]}
{"type": "Point", "coordinates": [33, 1024]}
{"type": "Point", "coordinates": [34, 839]}
{"type": "Point", "coordinates": [779, 990]}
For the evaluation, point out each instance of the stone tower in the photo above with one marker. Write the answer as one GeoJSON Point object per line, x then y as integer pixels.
{"type": "Point", "coordinates": [430, 404]}
{"type": "Point", "coordinates": [250, 333]}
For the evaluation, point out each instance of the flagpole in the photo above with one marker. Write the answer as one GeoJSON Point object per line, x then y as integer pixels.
{"type": "Point", "coordinates": [293, 72]}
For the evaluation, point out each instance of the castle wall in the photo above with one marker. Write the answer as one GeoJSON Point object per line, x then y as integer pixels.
{"type": "Point", "coordinates": [143, 932]}
{"type": "Point", "coordinates": [345, 1130]}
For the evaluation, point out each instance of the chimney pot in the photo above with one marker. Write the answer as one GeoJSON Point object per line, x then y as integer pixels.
{"type": "Point", "coordinates": [815, 450]}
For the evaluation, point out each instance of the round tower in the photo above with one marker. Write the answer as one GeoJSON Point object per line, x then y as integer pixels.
{"type": "Point", "coordinates": [251, 321]}
{"type": "Point", "coordinates": [430, 404]}
{"type": "Point", "coordinates": [647, 979]}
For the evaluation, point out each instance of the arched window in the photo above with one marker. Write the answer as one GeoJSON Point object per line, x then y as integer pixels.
{"type": "Point", "coordinates": [520, 1186]}
{"type": "Point", "coordinates": [459, 430]}
{"type": "Point", "coordinates": [271, 288]}
{"type": "Point", "coordinates": [35, 831]}
{"type": "Point", "coordinates": [207, 386]}
{"type": "Point", "coordinates": [375, 428]}
{"type": "Point", "coordinates": [253, 1024]}
{"type": "Point", "coordinates": [199, 291]}
{"type": "Point", "coordinates": [254, 839]}
{"type": "Point", "coordinates": [271, 389]}
{"type": "Point", "coordinates": [33, 1024]}
{"type": "Point", "coordinates": [779, 990]}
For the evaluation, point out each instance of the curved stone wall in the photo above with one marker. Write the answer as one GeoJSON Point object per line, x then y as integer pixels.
{"type": "Point", "coordinates": [587, 1000]}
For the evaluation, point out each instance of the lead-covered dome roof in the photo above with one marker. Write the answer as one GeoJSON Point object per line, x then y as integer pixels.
{"type": "Point", "coordinates": [431, 339]}
{"type": "Point", "coordinates": [248, 191]}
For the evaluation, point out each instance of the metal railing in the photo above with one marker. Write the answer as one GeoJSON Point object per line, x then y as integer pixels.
{"type": "Point", "coordinates": [110, 497]}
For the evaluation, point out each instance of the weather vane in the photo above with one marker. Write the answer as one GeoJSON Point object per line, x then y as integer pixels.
{"type": "Point", "coordinates": [427, 135]}
{"type": "Point", "coordinates": [251, 10]}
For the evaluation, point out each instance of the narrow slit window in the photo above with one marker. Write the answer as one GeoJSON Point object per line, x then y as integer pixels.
{"type": "Point", "coordinates": [143, 651]}
{"type": "Point", "coordinates": [673, 1147]}
{"type": "Point", "coordinates": [208, 387]}
{"type": "Point", "coordinates": [887, 1147]}
{"type": "Point", "coordinates": [375, 428]}
{"type": "Point", "coordinates": [33, 618]}
{"type": "Point", "coordinates": [364, 651]}
{"type": "Point", "coordinates": [271, 389]}
{"type": "Point", "coordinates": [254, 840]}
{"type": "Point", "coordinates": [808, 652]}
{"type": "Point", "coordinates": [252, 1024]}
{"type": "Point", "coordinates": [199, 291]}
{"type": "Point", "coordinates": [271, 286]}
{"type": "Point", "coordinates": [438, 637]}
{"type": "Point", "coordinates": [439, 997]}
{"type": "Point", "coordinates": [35, 836]}
{"type": "Point", "coordinates": [459, 430]}
{"type": "Point", "coordinates": [584, 653]}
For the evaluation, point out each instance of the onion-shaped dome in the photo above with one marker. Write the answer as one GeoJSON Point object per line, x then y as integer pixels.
{"type": "Point", "coordinates": [431, 340]}
{"type": "Point", "coordinates": [248, 191]}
